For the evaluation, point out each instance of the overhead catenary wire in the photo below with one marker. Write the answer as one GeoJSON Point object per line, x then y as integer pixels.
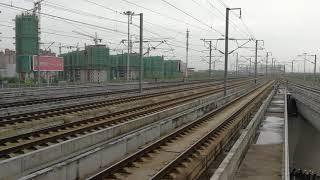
{"type": "Point", "coordinates": [145, 29]}
{"type": "Point", "coordinates": [246, 27]}
{"type": "Point", "coordinates": [105, 7]}
{"type": "Point", "coordinates": [174, 41]}
{"type": "Point", "coordinates": [151, 32]}
{"type": "Point", "coordinates": [83, 13]}
{"type": "Point", "coordinates": [223, 15]}
{"type": "Point", "coordinates": [164, 15]}
{"type": "Point", "coordinates": [79, 12]}
{"type": "Point", "coordinates": [63, 18]}
{"type": "Point", "coordinates": [210, 27]}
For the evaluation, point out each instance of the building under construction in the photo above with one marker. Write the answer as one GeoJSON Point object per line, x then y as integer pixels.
{"type": "Point", "coordinates": [95, 64]}
{"type": "Point", "coordinates": [27, 43]}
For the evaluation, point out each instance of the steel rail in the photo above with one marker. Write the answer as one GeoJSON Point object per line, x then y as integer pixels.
{"type": "Point", "coordinates": [56, 99]}
{"type": "Point", "coordinates": [17, 144]}
{"type": "Point", "coordinates": [226, 125]}
{"type": "Point", "coordinates": [314, 90]}
{"type": "Point", "coordinates": [129, 161]}
{"type": "Point", "coordinates": [36, 115]}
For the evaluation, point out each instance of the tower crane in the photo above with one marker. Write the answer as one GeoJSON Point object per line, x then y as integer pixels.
{"type": "Point", "coordinates": [95, 37]}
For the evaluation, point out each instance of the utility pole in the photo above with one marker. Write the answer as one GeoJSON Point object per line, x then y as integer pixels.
{"type": "Point", "coordinates": [187, 54]}
{"type": "Point", "coordinates": [226, 50]}
{"type": "Point", "coordinates": [141, 53]}
{"type": "Point", "coordinates": [237, 62]}
{"type": "Point", "coordinates": [60, 48]}
{"type": "Point", "coordinates": [272, 65]}
{"type": "Point", "coordinates": [226, 53]}
{"type": "Point", "coordinates": [37, 9]}
{"type": "Point", "coordinates": [129, 14]}
{"type": "Point", "coordinates": [315, 68]}
{"type": "Point", "coordinates": [256, 61]}
{"type": "Point", "coordinates": [210, 56]}
{"type": "Point", "coordinates": [304, 66]}
{"type": "Point", "coordinates": [267, 63]}
{"type": "Point", "coordinates": [250, 68]}
{"type": "Point", "coordinates": [210, 60]}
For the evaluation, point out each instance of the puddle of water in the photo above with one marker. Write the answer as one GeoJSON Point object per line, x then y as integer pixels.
{"type": "Point", "coordinates": [271, 130]}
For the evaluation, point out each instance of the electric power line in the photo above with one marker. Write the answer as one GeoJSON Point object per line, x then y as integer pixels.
{"type": "Point", "coordinates": [63, 18]}
{"type": "Point", "coordinates": [164, 15]}
{"type": "Point", "coordinates": [192, 17]}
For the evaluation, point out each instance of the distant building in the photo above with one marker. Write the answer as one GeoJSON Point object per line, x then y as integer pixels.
{"type": "Point", "coordinates": [47, 52]}
{"type": "Point", "coordinates": [8, 63]}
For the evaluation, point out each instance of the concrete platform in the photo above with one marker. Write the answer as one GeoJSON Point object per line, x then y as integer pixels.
{"type": "Point", "coordinates": [262, 163]}
{"type": "Point", "coordinates": [261, 151]}
{"type": "Point", "coordinates": [264, 158]}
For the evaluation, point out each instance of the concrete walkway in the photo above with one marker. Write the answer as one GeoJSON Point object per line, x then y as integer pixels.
{"type": "Point", "coordinates": [264, 159]}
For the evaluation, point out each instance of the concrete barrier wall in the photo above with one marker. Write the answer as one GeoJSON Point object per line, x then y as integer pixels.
{"type": "Point", "coordinates": [309, 110]}
{"type": "Point", "coordinates": [231, 162]}
{"type": "Point", "coordinates": [115, 149]}
{"type": "Point", "coordinates": [308, 104]}
{"type": "Point", "coordinates": [36, 160]}
{"type": "Point", "coordinates": [285, 164]}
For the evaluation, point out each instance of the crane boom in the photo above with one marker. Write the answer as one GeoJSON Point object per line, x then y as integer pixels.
{"type": "Point", "coordinates": [95, 38]}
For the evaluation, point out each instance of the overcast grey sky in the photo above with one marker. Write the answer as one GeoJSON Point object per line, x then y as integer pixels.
{"type": "Point", "coordinates": [288, 27]}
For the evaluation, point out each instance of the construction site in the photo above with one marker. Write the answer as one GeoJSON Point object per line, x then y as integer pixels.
{"type": "Point", "coordinates": [161, 90]}
{"type": "Point", "coordinates": [93, 64]}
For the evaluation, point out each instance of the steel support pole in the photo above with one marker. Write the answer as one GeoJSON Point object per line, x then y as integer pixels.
{"type": "Point", "coordinates": [141, 53]}
{"type": "Point", "coordinates": [250, 68]}
{"type": "Point", "coordinates": [272, 66]}
{"type": "Point", "coordinates": [187, 54]}
{"type": "Point", "coordinates": [210, 60]}
{"type": "Point", "coordinates": [237, 63]}
{"type": "Point", "coordinates": [128, 53]}
{"type": "Point", "coordinates": [256, 63]}
{"type": "Point", "coordinates": [304, 67]}
{"type": "Point", "coordinates": [226, 53]}
{"type": "Point", "coordinates": [38, 63]}
{"type": "Point", "coordinates": [267, 64]}
{"type": "Point", "coordinates": [315, 68]}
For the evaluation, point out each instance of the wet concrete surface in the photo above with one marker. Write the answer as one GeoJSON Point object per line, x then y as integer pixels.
{"type": "Point", "coordinates": [261, 163]}
{"type": "Point", "coordinates": [304, 144]}
{"type": "Point", "coordinates": [263, 159]}
{"type": "Point", "coordinates": [271, 130]}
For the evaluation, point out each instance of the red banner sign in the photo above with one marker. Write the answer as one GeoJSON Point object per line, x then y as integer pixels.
{"type": "Point", "coordinates": [47, 63]}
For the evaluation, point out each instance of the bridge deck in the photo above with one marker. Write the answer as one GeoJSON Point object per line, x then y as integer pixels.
{"type": "Point", "coordinates": [264, 159]}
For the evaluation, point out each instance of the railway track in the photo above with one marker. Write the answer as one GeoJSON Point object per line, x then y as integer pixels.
{"type": "Point", "coordinates": [20, 144]}
{"type": "Point", "coordinates": [185, 153]}
{"type": "Point", "coordinates": [71, 97]}
{"type": "Point", "coordinates": [37, 115]}
{"type": "Point", "coordinates": [314, 90]}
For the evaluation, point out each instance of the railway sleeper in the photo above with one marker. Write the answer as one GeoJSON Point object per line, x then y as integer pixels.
{"type": "Point", "coordinates": [192, 168]}
{"type": "Point", "coordinates": [215, 105]}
